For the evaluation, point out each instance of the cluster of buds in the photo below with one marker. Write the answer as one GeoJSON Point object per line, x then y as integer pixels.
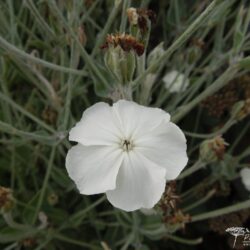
{"type": "Point", "coordinates": [213, 150]}
{"type": "Point", "coordinates": [140, 17]}
{"type": "Point", "coordinates": [6, 200]}
{"type": "Point", "coordinates": [120, 55]}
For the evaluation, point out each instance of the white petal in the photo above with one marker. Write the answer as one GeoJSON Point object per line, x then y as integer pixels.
{"type": "Point", "coordinates": [166, 146]}
{"type": "Point", "coordinates": [175, 81]}
{"type": "Point", "coordinates": [136, 119]}
{"type": "Point", "coordinates": [98, 126]}
{"type": "Point", "coordinates": [94, 168]}
{"type": "Point", "coordinates": [245, 177]}
{"type": "Point", "coordinates": [140, 183]}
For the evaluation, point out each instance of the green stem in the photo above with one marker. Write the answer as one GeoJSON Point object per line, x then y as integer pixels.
{"type": "Point", "coordinates": [184, 241]}
{"type": "Point", "coordinates": [11, 223]}
{"type": "Point", "coordinates": [18, 52]}
{"type": "Point", "coordinates": [86, 57]}
{"type": "Point", "coordinates": [26, 113]}
{"type": "Point", "coordinates": [179, 42]}
{"type": "Point", "coordinates": [199, 202]}
{"type": "Point", "coordinates": [222, 211]}
{"type": "Point", "coordinates": [83, 212]}
{"type": "Point", "coordinates": [228, 125]}
{"type": "Point", "coordinates": [213, 88]}
{"type": "Point", "coordinates": [7, 128]}
{"type": "Point", "coordinates": [45, 184]}
{"type": "Point", "coordinates": [198, 165]}
{"type": "Point", "coordinates": [125, 6]}
{"type": "Point", "coordinates": [106, 28]}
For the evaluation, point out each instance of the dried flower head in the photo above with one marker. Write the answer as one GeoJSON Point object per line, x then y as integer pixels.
{"type": "Point", "coordinates": [169, 198]}
{"type": "Point", "coordinates": [49, 115]}
{"type": "Point", "coordinates": [140, 17]}
{"type": "Point", "coordinates": [143, 16]}
{"type": "Point", "coordinates": [28, 243]}
{"type": "Point", "coordinates": [126, 42]}
{"type": "Point", "coordinates": [178, 218]}
{"type": "Point", "coordinates": [223, 101]}
{"type": "Point", "coordinates": [213, 150]}
{"type": "Point", "coordinates": [6, 199]}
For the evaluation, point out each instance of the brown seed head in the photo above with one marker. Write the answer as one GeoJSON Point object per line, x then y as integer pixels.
{"type": "Point", "coordinates": [6, 199]}
{"type": "Point", "coordinates": [178, 218]}
{"type": "Point", "coordinates": [126, 42]}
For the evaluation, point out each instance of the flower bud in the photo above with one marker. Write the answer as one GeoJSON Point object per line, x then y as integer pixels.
{"type": "Point", "coordinates": [193, 54]}
{"type": "Point", "coordinates": [245, 177]}
{"type": "Point", "coordinates": [241, 109]}
{"type": "Point", "coordinates": [6, 200]}
{"type": "Point", "coordinates": [212, 150]}
{"type": "Point", "coordinates": [52, 199]}
{"type": "Point", "coordinates": [175, 81]}
{"type": "Point", "coordinates": [120, 63]}
{"type": "Point", "coordinates": [132, 16]}
{"type": "Point", "coordinates": [120, 55]}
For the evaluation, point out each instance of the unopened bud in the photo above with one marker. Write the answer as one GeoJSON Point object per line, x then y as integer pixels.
{"type": "Point", "coordinates": [120, 55]}
{"type": "Point", "coordinates": [52, 199]}
{"type": "Point", "coordinates": [120, 63]}
{"type": "Point", "coordinates": [241, 109]}
{"type": "Point", "coordinates": [213, 150]}
{"type": "Point", "coordinates": [6, 200]}
{"type": "Point", "coordinates": [132, 16]}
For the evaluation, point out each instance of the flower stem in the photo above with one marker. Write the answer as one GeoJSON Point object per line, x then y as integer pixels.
{"type": "Point", "coordinates": [11, 223]}
{"type": "Point", "coordinates": [228, 125]}
{"type": "Point", "coordinates": [222, 211]}
{"type": "Point", "coordinates": [17, 52]}
{"type": "Point", "coordinates": [179, 42]}
{"type": "Point", "coordinates": [45, 183]}
{"type": "Point", "coordinates": [184, 241]}
{"type": "Point", "coordinates": [198, 165]}
{"type": "Point", "coordinates": [199, 202]}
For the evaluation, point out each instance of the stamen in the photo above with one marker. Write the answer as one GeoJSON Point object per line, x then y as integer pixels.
{"type": "Point", "coordinates": [127, 145]}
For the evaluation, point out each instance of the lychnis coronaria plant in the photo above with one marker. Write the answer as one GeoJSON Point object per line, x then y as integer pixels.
{"type": "Point", "coordinates": [126, 150]}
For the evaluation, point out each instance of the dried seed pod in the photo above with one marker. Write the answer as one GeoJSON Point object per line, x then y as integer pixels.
{"type": "Point", "coordinates": [6, 200]}
{"type": "Point", "coordinates": [213, 150]}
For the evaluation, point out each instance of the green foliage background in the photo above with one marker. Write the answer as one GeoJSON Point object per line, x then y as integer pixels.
{"type": "Point", "coordinates": [52, 69]}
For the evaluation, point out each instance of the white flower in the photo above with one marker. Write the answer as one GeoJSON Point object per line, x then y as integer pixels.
{"type": "Point", "coordinates": [245, 177]}
{"type": "Point", "coordinates": [127, 151]}
{"type": "Point", "coordinates": [175, 81]}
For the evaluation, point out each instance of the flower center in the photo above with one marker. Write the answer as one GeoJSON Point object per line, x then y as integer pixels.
{"type": "Point", "coordinates": [126, 145]}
